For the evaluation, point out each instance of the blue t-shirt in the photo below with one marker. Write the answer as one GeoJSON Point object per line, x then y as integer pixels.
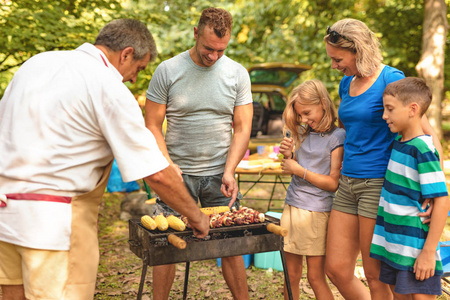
{"type": "Point", "coordinates": [366, 147]}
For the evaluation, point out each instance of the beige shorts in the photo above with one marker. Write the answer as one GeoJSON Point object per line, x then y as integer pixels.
{"type": "Point", "coordinates": [42, 272]}
{"type": "Point", "coordinates": [307, 231]}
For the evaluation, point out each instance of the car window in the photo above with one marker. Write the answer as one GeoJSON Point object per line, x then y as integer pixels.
{"type": "Point", "coordinates": [279, 102]}
{"type": "Point", "coordinates": [278, 77]}
{"type": "Point", "coordinates": [262, 98]}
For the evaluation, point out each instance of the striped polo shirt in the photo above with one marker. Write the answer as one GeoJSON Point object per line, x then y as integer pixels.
{"type": "Point", "coordinates": [413, 175]}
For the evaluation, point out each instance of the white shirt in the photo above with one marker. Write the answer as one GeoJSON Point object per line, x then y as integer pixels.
{"type": "Point", "coordinates": [63, 117]}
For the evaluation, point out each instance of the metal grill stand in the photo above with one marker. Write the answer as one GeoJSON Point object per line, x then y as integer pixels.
{"type": "Point", "coordinates": [154, 249]}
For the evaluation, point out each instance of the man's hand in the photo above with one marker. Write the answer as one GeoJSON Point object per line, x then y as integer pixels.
{"type": "Point", "coordinates": [229, 188]}
{"type": "Point", "coordinates": [201, 227]}
{"type": "Point", "coordinates": [426, 215]}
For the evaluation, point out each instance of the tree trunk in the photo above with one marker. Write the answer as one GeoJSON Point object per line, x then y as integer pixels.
{"type": "Point", "coordinates": [431, 64]}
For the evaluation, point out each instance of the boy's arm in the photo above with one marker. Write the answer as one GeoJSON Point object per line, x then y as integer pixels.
{"type": "Point", "coordinates": [426, 261]}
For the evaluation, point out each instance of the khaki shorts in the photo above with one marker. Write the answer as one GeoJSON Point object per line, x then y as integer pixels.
{"type": "Point", "coordinates": [42, 272]}
{"type": "Point", "coordinates": [358, 196]}
{"type": "Point", "coordinates": [307, 231]}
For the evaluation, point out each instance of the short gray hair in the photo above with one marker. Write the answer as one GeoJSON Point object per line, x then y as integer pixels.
{"type": "Point", "coordinates": [122, 33]}
{"type": "Point", "coordinates": [364, 44]}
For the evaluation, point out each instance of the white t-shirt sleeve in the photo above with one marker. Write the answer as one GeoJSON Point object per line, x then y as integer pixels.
{"type": "Point", "coordinates": [133, 145]}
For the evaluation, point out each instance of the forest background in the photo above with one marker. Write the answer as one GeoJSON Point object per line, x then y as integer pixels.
{"type": "Point", "coordinates": [263, 31]}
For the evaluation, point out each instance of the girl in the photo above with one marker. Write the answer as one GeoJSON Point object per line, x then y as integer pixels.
{"type": "Point", "coordinates": [315, 165]}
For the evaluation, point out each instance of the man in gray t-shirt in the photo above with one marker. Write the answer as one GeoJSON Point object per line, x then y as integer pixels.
{"type": "Point", "coordinates": [206, 98]}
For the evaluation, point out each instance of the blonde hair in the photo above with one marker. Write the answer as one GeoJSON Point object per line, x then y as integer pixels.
{"type": "Point", "coordinates": [311, 92]}
{"type": "Point", "coordinates": [364, 44]}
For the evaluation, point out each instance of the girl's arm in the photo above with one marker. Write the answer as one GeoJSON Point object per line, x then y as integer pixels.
{"type": "Point", "coordinates": [326, 182]}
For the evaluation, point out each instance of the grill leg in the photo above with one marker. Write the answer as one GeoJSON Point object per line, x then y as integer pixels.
{"type": "Point", "coordinates": [186, 279]}
{"type": "Point", "coordinates": [286, 274]}
{"type": "Point", "coordinates": [144, 272]}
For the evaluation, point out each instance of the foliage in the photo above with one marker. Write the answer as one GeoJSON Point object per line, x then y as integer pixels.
{"type": "Point", "coordinates": [401, 33]}
{"type": "Point", "coordinates": [263, 30]}
{"type": "Point", "coordinates": [294, 35]}
{"type": "Point", "coordinates": [29, 27]}
{"type": "Point", "coordinates": [33, 26]}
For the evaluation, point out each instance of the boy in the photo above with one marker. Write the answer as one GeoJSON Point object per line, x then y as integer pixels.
{"type": "Point", "coordinates": [407, 248]}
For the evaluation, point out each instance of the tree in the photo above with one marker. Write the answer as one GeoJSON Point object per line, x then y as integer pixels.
{"type": "Point", "coordinates": [31, 26]}
{"type": "Point", "coordinates": [28, 27]}
{"type": "Point", "coordinates": [263, 31]}
{"type": "Point", "coordinates": [431, 64]}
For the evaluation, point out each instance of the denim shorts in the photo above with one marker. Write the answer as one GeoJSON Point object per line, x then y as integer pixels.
{"type": "Point", "coordinates": [358, 196]}
{"type": "Point", "coordinates": [406, 283]}
{"type": "Point", "coordinates": [205, 189]}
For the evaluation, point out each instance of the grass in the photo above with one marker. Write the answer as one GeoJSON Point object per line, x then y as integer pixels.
{"type": "Point", "coordinates": [120, 269]}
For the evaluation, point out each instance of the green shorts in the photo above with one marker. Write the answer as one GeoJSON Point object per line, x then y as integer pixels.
{"type": "Point", "coordinates": [358, 196]}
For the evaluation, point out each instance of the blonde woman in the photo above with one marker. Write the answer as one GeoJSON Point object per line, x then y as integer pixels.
{"type": "Point", "coordinates": [355, 51]}
{"type": "Point", "coordinates": [315, 164]}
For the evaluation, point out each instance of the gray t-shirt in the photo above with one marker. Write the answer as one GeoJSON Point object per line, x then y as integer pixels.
{"type": "Point", "coordinates": [200, 104]}
{"type": "Point", "coordinates": [315, 155]}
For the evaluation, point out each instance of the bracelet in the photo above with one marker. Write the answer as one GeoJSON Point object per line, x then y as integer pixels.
{"type": "Point", "coordinates": [304, 175]}
{"type": "Point", "coordinates": [292, 155]}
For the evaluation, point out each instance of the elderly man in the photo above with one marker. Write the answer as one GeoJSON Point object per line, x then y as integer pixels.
{"type": "Point", "coordinates": [63, 118]}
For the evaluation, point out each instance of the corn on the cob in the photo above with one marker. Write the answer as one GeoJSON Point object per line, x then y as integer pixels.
{"type": "Point", "coordinates": [148, 222]}
{"type": "Point", "coordinates": [176, 223]}
{"type": "Point", "coordinates": [161, 222]}
{"type": "Point", "coordinates": [214, 210]}
{"type": "Point", "coordinates": [260, 161]}
{"type": "Point", "coordinates": [272, 165]}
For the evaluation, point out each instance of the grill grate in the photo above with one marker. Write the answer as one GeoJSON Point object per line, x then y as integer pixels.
{"type": "Point", "coordinates": [153, 248]}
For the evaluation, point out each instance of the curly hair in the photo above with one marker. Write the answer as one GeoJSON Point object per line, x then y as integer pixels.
{"type": "Point", "coordinates": [122, 33]}
{"type": "Point", "coordinates": [217, 18]}
{"type": "Point", "coordinates": [311, 92]}
{"type": "Point", "coordinates": [364, 44]}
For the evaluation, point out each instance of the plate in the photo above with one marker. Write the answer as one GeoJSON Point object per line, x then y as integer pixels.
{"type": "Point", "coordinates": [244, 164]}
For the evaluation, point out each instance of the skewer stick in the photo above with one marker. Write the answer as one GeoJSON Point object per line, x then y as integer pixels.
{"type": "Point", "coordinates": [176, 241]}
{"type": "Point", "coordinates": [277, 229]}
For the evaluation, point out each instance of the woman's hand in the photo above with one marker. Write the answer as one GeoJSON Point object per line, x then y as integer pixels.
{"type": "Point", "coordinates": [427, 206]}
{"type": "Point", "coordinates": [286, 147]}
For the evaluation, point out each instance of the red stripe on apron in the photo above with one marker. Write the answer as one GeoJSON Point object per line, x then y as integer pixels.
{"type": "Point", "coordinates": [104, 61]}
{"type": "Point", "coordinates": [39, 197]}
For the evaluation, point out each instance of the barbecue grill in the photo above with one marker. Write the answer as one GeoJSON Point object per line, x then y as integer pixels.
{"type": "Point", "coordinates": [160, 248]}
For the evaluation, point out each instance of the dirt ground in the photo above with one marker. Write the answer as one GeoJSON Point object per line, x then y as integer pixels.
{"type": "Point", "coordinates": [120, 269]}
